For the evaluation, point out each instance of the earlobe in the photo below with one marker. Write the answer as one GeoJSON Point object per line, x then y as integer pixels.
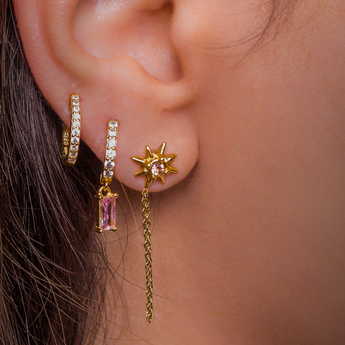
{"type": "Point", "coordinates": [67, 46]}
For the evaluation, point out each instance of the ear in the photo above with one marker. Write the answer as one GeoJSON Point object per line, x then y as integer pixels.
{"type": "Point", "coordinates": [124, 61]}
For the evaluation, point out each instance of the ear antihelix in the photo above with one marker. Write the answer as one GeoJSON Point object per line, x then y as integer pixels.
{"type": "Point", "coordinates": [118, 31]}
{"type": "Point", "coordinates": [57, 18]}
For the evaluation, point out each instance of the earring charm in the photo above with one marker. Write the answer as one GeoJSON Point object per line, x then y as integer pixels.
{"type": "Point", "coordinates": [154, 166]}
{"type": "Point", "coordinates": [106, 208]}
{"type": "Point", "coordinates": [71, 134]}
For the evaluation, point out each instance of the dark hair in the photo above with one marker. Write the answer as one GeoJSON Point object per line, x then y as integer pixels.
{"type": "Point", "coordinates": [53, 266]}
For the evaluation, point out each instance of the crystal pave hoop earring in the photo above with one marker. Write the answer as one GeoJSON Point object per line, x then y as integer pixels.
{"type": "Point", "coordinates": [71, 134]}
{"type": "Point", "coordinates": [106, 208]}
{"type": "Point", "coordinates": [155, 166]}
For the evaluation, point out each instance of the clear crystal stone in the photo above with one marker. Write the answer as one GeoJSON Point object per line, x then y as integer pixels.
{"type": "Point", "coordinates": [74, 147]}
{"type": "Point", "coordinates": [111, 142]}
{"type": "Point", "coordinates": [110, 154]}
{"type": "Point", "coordinates": [112, 132]}
{"type": "Point", "coordinates": [75, 140]}
{"type": "Point", "coordinates": [113, 124]}
{"type": "Point", "coordinates": [75, 103]}
{"type": "Point", "coordinates": [76, 115]}
{"type": "Point", "coordinates": [71, 160]}
{"type": "Point", "coordinates": [73, 154]}
{"type": "Point", "coordinates": [109, 165]}
{"type": "Point", "coordinates": [75, 132]}
{"type": "Point", "coordinates": [108, 173]}
{"type": "Point", "coordinates": [76, 108]}
{"type": "Point", "coordinates": [75, 124]}
{"type": "Point", "coordinates": [75, 97]}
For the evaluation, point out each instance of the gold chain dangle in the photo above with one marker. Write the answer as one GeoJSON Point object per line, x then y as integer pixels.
{"type": "Point", "coordinates": [145, 201]}
{"type": "Point", "coordinates": [154, 166]}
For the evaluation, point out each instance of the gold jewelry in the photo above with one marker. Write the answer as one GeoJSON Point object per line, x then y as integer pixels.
{"type": "Point", "coordinates": [71, 134]}
{"type": "Point", "coordinates": [155, 166]}
{"type": "Point", "coordinates": [106, 208]}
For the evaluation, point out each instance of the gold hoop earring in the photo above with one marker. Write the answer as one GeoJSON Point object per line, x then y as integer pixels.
{"type": "Point", "coordinates": [71, 134]}
{"type": "Point", "coordinates": [154, 166]}
{"type": "Point", "coordinates": [106, 208]}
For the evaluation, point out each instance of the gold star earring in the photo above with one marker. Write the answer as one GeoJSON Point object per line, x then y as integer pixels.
{"type": "Point", "coordinates": [154, 166]}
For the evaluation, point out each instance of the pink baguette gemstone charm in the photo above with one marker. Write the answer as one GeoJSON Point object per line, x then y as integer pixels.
{"type": "Point", "coordinates": [106, 210]}
{"type": "Point", "coordinates": [107, 213]}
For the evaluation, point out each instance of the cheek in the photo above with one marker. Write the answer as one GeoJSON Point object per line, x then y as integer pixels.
{"type": "Point", "coordinates": [278, 142]}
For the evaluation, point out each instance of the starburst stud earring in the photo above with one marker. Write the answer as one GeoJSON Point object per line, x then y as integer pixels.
{"type": "Point", "coordinates": [154, 166]}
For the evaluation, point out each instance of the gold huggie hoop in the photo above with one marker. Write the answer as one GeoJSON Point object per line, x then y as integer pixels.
{"type": "Point", "coordinates": [71, 134]}
{"type": "Point", "coordinates": [106, 210]}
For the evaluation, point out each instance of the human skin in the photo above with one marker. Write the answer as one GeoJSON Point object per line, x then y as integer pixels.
{"type": "Point", "coordinates": [248, 240]}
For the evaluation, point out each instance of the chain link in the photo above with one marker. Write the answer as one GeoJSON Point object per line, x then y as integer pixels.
{"type": "Point", "coordinates": [145, 201]}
